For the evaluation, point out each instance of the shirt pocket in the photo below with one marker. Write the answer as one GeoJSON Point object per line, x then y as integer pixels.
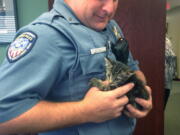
{"type": "Point", "coordinates": [92, 64]}
{"type": "Point", "coordinates": [88, 66]}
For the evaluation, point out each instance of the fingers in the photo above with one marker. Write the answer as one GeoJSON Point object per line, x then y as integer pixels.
{"type": "Point", "coordinates": [122, 101]}
{"type": "Point", "coordinates": [146, 104]}
{"type": "Point", "coordinates": [133, 112]}
{"type": "Point", "coordinates": [120, 91]}
{"type": "Point", "coordinates": [148, 89]}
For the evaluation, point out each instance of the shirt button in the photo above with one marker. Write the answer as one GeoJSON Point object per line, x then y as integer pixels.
{"type": "Point", "coordinates": [70, 19]}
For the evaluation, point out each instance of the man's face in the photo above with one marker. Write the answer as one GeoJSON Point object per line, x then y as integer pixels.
{"type": "Point", "coordinates": [94, 13]}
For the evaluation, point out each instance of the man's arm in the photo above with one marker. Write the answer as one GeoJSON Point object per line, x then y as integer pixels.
{"type": "Point", "coordinates": [97, 106]}
{"type": "Point", "coordinates": [44, 116]}
{"type": "Point", "coordinates": [141, 76]}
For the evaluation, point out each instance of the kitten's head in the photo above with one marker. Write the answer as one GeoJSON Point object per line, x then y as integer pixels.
{"type": "Point", "coordinates": [117, 71]}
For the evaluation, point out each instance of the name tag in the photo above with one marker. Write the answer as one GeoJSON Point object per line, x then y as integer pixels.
{"type": "Point", "coordinates": [98, 50]}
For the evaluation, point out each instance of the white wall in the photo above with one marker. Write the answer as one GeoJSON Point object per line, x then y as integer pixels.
{"type": "Point", "coordinates": [173, 20]}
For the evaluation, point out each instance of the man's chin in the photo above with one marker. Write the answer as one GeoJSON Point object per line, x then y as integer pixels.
{"type": "Point", "coordinates": [99, 27]}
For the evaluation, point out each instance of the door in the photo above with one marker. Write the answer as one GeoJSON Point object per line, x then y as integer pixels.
{"type": "Point", "coordinates": [143, 23]}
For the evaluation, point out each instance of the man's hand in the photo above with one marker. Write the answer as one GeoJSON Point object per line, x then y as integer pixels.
{"type": "Point", "coordinates": [146, 104]}
{"type": "Point", "coordinates": [100, 105]}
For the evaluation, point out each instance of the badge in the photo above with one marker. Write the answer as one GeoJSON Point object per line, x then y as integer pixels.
{"type": "Point", "coordinates": [116, 33]}
{"type": "Point", "coordinates": [21, 46]}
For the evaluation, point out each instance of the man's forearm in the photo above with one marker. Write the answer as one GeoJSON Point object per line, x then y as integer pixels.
{"type": "Point", "coordinates": [97, 106]}
{"type": "Point", "coordinates": [141, 76]}
{"type": "Point", "coordinates": [45, 116]}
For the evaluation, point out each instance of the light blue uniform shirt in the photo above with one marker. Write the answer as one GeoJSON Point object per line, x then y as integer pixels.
{"type": "Point", "coordinates": [53, 59]}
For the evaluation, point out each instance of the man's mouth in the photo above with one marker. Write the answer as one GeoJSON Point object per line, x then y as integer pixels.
{"type": "Point", "coordinates": [102, 18]}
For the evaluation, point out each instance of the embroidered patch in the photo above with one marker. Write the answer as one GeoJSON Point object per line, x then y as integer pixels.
{"type": "Point", "coordinates": [21, 46]}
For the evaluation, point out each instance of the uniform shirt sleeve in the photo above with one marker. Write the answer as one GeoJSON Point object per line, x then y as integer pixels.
{"type": "Point", "coordinates": [23, 83]}
{"type": "Point", "coordinates": [133, 64]}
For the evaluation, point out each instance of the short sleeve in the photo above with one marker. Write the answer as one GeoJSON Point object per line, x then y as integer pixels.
{"type": "Point", "coordinates": [133, 64]}
{"type": "Point", "coordinates": [28, 78]}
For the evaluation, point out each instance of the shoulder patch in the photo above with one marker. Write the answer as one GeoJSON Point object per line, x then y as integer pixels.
{"type": "Point", "coordinates": [21, 46]}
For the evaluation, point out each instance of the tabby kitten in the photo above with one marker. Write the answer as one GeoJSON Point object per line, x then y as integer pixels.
{"type": "Point", "coordinates": [118, 74]}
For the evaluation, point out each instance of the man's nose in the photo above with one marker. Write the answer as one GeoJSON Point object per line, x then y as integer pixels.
{"type": "Point", "coordinates": [108, 6]}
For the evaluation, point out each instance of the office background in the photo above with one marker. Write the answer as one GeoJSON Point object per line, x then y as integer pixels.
{"type": "Point", "coordinates": [27, 11]}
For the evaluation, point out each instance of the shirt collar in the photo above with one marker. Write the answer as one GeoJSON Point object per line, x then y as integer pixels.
{"type": "Point", "coordinates": [64, 10]}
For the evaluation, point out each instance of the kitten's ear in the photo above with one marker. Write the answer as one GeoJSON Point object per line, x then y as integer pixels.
{"type": "Point", "coordinates": [108, 62]}
{"type": "Point", "coordinates": [111, 61]}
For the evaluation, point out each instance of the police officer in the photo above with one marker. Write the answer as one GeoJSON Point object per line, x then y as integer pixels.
{"type": "Point", "coordinates": [44, 78]}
